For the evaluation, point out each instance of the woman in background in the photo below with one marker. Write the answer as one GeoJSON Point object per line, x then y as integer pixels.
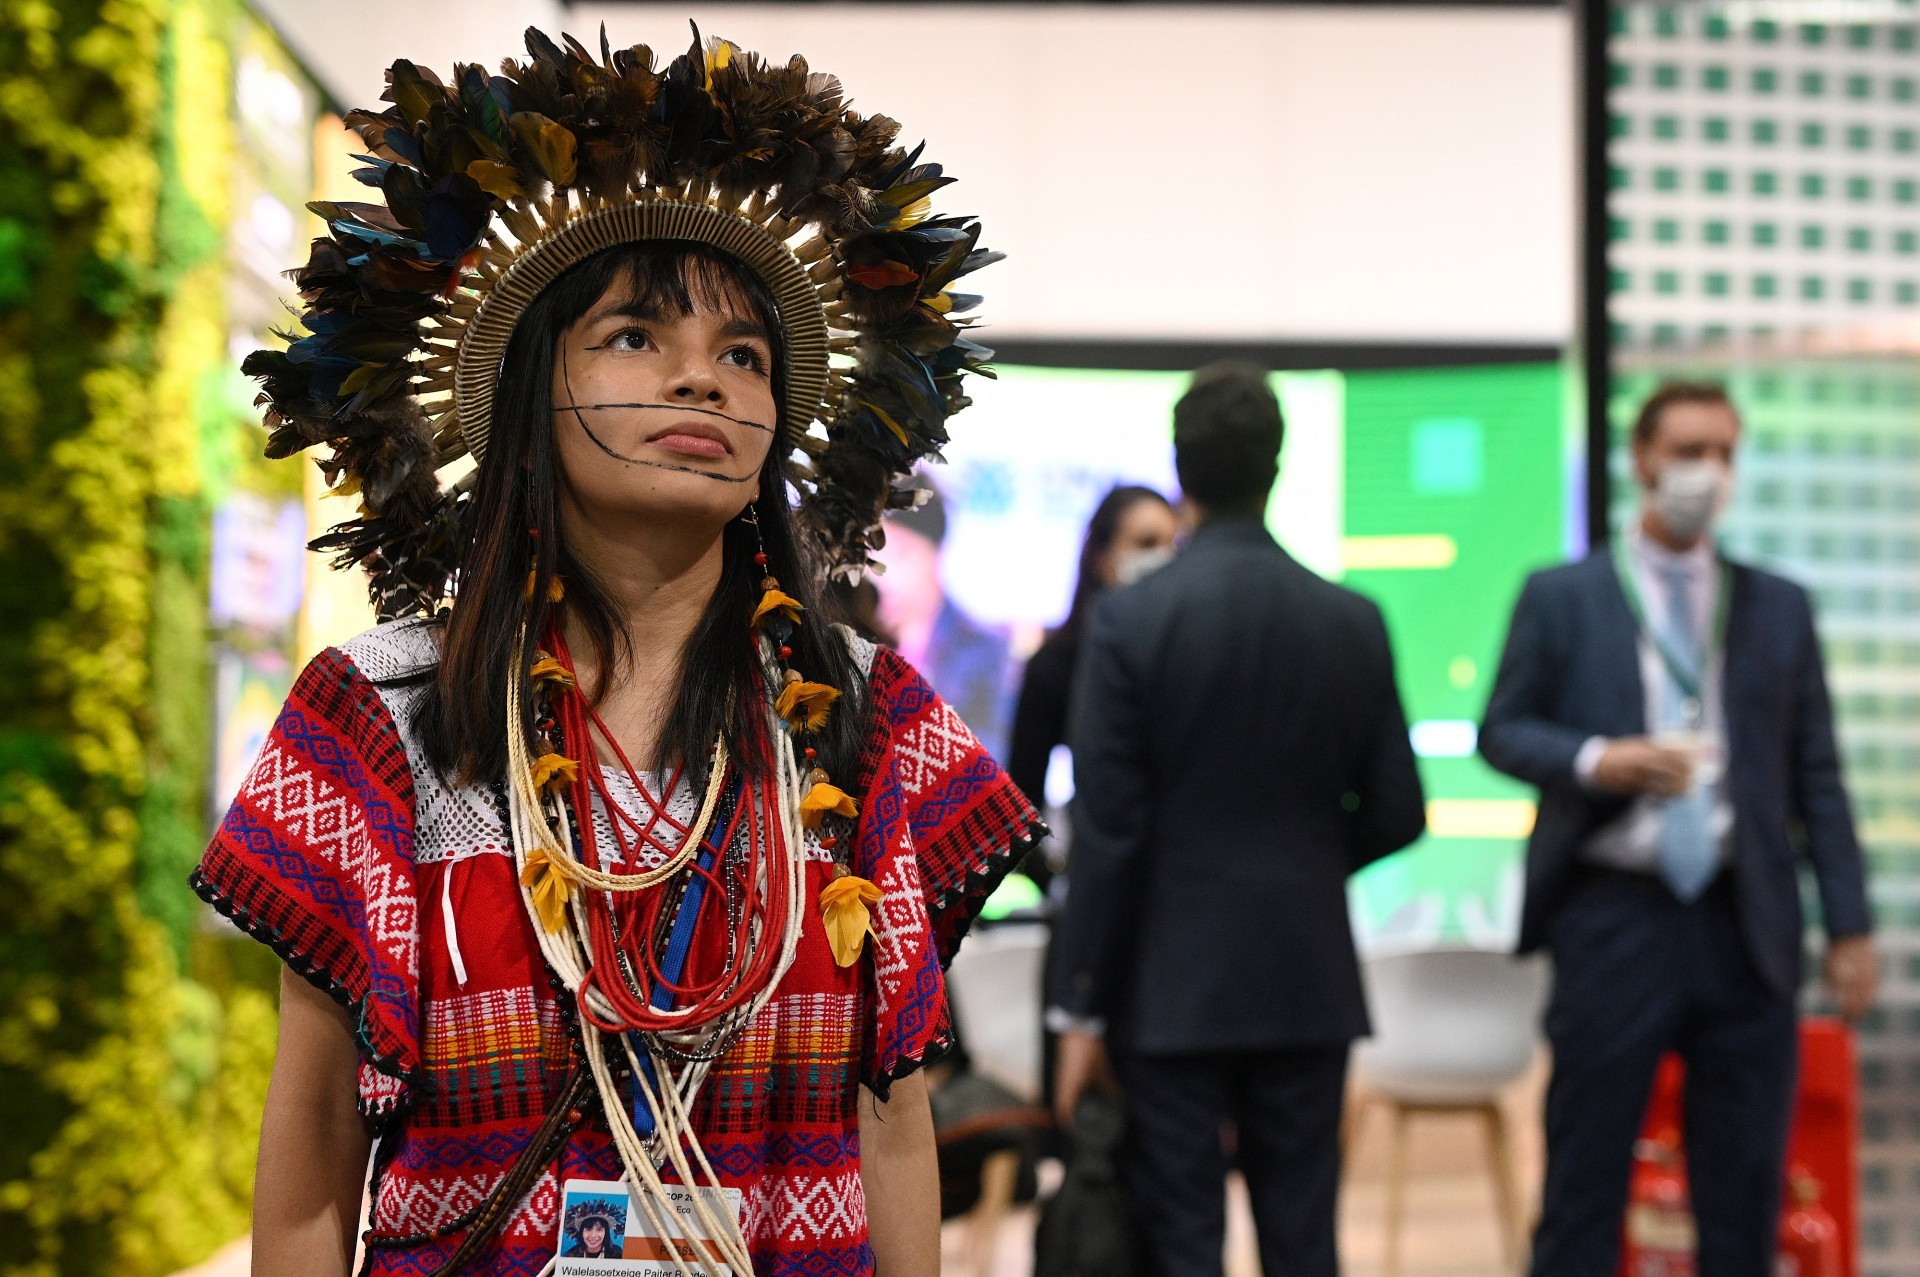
{"type": "Point", "coordinates": [1130, 534]}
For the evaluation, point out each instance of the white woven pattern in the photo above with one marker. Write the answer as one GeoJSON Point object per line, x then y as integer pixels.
{"type": "Point", "coordinates": [393, 650]}
{"type": "Point", "coordinates": [899, 929]}
{"type": "Point", "coordinates": [378, 1091]}
{"type": "Point", "coordinates": [816, 1207]}
{"type": "Point", "coordinates": [538, 1212]}
{"type": "Point", "coordinates": [926, 750]}
{"type": "Point", "coordinates": [425, 1202]}
{"type": "Point", "coordinates": [861, 650]}
{"type": "Point", "coordinates": [449, 822]}
{"type": "Point", "coordinates": [454, 822]}
{"type": "Point", "coordinates": [312, 812]}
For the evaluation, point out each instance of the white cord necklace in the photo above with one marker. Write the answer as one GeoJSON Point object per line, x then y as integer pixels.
{"type": "Point", "coordinates": [542, 832]}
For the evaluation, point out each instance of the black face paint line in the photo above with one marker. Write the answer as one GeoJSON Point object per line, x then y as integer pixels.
{"type": "Point", "coordinates": [600, 443]}
{"type": "Point", "coordinates": [664, 407]}
{"type": "Point", "coordinates": [566, 379]}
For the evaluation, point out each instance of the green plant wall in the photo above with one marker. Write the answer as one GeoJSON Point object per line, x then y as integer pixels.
{"type": "Point", "coordinates": [129, 1092]}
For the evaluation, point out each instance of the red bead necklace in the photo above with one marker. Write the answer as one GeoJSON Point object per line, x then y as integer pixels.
{"type": "Point", "coordinates": [627, 932]}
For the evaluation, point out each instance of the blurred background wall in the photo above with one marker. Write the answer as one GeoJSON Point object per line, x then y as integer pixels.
{"type": "Point", "coordinates": [1356, 173]}
{"type": "Point", "coordinates": [1762, 212]}
{"type": "Point", "coordinates": [154, 159]}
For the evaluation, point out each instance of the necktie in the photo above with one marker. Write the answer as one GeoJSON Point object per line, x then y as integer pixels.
{"type": "Point", "coordinates": [1688, 857]}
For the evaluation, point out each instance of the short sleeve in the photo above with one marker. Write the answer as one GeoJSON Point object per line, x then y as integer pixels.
{"type": "Point", "coordinates": [940, 826]}
{"type": "Point", "coordinates": [315, 859]}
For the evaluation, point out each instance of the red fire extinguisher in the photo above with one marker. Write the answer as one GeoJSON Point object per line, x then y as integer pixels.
{"type": "Point", "coordinates": [1659, 1228]}
{"type": "Point", "coordinates": [1809, 1237]}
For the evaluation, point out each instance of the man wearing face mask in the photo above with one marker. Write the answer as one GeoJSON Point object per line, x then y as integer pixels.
{"type": "Point", "coordinates": [1672, 709]}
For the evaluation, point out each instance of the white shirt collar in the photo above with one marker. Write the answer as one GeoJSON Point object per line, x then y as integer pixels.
{"type": "Point", "coordinates": [1654, 557]}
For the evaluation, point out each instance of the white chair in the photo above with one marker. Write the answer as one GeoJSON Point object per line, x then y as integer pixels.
{"type": "Point", "coordinates": [994, 989]}
{"type": "Point", "coordinates": [1452, 1030]}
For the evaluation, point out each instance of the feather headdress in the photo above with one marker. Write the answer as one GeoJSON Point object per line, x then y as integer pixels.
{"type": "Point", "coordinates": [491, 186]}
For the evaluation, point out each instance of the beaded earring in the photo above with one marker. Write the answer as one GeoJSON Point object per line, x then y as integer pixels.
{"type": "Point", "coordinates": [846, 901]}
{"type": "Point", "coordinates": [553, 771]}
{"type": "Point", "coordinates": [555, 590]}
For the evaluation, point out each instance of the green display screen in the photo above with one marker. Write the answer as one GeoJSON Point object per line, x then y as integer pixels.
{"type": "Point", "coordinates": [1457, 484]}
{"type": "Point", "coordinates": [1432, 491]}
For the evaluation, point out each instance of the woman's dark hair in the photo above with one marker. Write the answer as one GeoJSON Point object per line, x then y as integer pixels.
{"type": "Point", "coordinates": [1102, 528]}
{"type": "Point", "coordinates": [1226, 439]}
{"type": "Point", "coordinates": [515, 531]}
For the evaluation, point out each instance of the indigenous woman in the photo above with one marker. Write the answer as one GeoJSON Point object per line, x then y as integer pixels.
{"type": "Point", "coordinates": [607, 857]}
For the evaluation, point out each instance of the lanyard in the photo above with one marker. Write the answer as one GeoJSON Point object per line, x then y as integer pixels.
{"type": "Point", "coordinates": [1685, 673]}
{"type": "Point", "coordinates": [680, 941]}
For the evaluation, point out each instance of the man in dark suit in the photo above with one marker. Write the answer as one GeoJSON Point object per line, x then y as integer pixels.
{"type": "Point", "coordinates": [1672, 709]}
{"type": "Point", "coordinates": [1239, 749]}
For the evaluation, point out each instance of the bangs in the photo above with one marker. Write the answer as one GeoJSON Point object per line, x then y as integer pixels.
{"type": "Point", "coordinates": [664, 278]}
{"type": "Point", "coordinates": [697, 279]}
{"type": "Point", "coordinates": [669, 278]}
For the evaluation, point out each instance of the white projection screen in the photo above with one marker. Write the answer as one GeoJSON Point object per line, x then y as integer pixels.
{"type": "Point", "coordinates": [1375, 173]}
{"type": "Point", "coordinates": [1362, 173]}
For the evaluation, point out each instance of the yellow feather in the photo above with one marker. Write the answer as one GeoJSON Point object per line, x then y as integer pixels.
{"type": "Point", "coordinates": [825, 800]}
{"type": "Point", "coordinates": [552, 773]}
{"type": "Point", "coordinates": [718, 57]}
{"type": "Point", "coordinates": [845, 912]}
{"type": "Point", "coordinates": [549, 669]}
{"type": "Point", "coordinates": [775, 601]}
{"type": "Point", "coordinates": [549, 889]}
{"type": "Point", "coordinates": [805, 704]}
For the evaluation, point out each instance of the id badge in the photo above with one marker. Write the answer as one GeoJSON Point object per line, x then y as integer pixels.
{"type": "Point", "coordinates": [603, 1231]}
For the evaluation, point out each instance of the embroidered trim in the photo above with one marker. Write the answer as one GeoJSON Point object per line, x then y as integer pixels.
{"type": "Point", "coordinates": [973, 893]}
{"type": "Point", "coordinates": [359, 1009]}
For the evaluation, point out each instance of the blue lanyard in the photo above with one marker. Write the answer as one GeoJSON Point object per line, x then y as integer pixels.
{"type": "Point", "coordinates": [680, 943]}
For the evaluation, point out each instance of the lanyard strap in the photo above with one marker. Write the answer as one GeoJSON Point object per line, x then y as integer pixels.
{"type": "Point", "coordinates": [1684, 673]}
{"type": "Point", "coordinates": [680, 938]}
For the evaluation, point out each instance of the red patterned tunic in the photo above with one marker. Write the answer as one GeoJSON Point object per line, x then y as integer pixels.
{"type": "Point", "coordinates": [395, 893]}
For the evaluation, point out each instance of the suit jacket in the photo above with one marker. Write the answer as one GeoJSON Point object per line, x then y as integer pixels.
{"type": "Point", "coordinates": [1239, 749]}
{"type": "Point", "coordinates": [1571, 671]}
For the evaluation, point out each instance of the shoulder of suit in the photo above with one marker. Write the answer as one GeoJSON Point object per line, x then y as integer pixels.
{"type": "Point", "coordinates": [1770, 585]}
{"type": "Point", "coordinates": [1161, 593]}
{"type": "Point", "coordinates": [1597, 563]}
{"type": "Point", "coordinates": [1127, 606]}
{"type": "Point", "coordinates": [1350, 601]}
{"type": "Point", "coordinates": [1302, 583]}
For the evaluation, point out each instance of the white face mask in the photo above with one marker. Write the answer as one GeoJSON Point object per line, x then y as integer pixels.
{"type": "Point", "coordinates": [1690, 495]}
{"type": "Point", "coordinates": [1134, 564]}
